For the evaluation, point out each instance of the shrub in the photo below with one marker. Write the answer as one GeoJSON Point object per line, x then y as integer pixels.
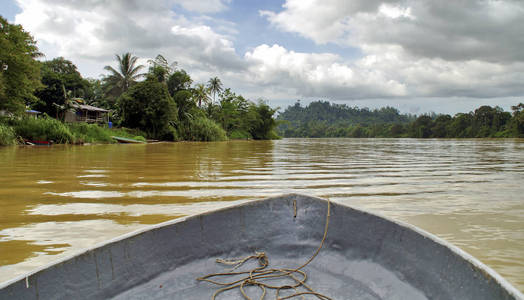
{"type": "Point", "coordinates": [204, 129]}
{"type": "Point", "coordinates": [240, 135]}
{"type": "Point", "coordinates": [90, 133]}
{"type": "Point", "coordinates": [127, 132]}
{"type": "Point", "coordinates": [43, 129]}
{"type": "Point", "coordinates": [273, 135]}
{"type": "Point", "coordinates": [7, 135]}
{"type": "Point", "coordinates": [139, 138]}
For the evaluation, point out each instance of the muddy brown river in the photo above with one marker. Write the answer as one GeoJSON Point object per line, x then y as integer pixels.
{"type": "Point", "coordinates": [58, 200]}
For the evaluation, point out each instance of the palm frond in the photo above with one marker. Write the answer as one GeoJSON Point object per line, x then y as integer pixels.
{"type": "Point", "coordinates": [128, 74]}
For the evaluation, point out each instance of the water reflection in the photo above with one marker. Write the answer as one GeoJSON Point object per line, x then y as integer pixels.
{"type": "Point", "coordinates": [57, 200]}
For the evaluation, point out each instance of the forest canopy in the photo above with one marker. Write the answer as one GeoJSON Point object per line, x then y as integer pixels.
{"type": "Point", "coordinates": [324, 119]}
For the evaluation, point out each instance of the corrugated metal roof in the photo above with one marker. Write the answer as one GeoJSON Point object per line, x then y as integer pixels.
{"type": "Point", "coordinates": [89, 107]}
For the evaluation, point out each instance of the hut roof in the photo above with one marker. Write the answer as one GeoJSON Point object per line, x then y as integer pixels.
{"type": "Point", "coordinates": [88, 107]}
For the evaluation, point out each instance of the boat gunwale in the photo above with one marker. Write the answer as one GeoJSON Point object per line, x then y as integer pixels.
{"type": "Point", "coordinates": [474, 262]}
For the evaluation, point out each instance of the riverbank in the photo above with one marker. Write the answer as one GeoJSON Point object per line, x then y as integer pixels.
{"type": "Point", "coordinates": [16, 131]}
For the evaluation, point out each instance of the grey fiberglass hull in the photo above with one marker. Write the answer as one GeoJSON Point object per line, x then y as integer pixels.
{"type": "Point", "coordinates": [364, 257]}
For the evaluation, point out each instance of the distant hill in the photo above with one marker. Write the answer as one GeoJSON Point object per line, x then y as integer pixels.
{"type": "Point", "coordinates": [325, 119]}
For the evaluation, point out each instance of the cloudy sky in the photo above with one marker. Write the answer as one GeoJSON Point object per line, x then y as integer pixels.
{"type": "Point", "coordinates": [418, 56]}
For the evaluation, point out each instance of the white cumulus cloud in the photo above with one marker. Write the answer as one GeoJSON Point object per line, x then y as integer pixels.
{"type": "Point", "coordinates": [91, 32]}
{"type": "Point", "coordinates": [318, 75]}
{"type": "Point", "coordinates": [417, 48]}
{"type": "Point", "coordinates": [452, 30]}
{"type": "Point", "coordinates": [408, 49]}
{"type": "Point", "coordinates": [204, 6]}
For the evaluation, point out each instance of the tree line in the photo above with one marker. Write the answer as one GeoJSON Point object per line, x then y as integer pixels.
{"type": "Point", "coordinates": [160, 99]}
{"type": "Point", "coordinates": [325, 119]}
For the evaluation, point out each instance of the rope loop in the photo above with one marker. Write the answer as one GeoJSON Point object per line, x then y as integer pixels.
{"type": "Point", "coordinates": [257, 275]}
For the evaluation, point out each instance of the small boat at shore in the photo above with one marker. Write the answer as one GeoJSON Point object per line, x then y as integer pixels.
{"type": "Point", "coordinates": [346, 253]}
{"type": "Point", "coordinates": [37, 143]}
{"type": "Point", "coordinates": [127, 140]}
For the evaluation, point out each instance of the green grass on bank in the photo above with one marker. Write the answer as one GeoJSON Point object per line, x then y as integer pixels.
{"type": "Point", "coordinates": [92, 133]}
{"type": "Point", "coordinates": [49, 129]}
{"type": "Point", "coordinates": [43, 129]}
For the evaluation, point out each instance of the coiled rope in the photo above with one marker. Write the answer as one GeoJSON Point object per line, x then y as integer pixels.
{"type": "Point", "coordinates": [256, 276]}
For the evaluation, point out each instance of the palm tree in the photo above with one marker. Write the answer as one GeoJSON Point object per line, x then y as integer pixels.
{"type": "Point", "coordinates": [128, 73]}
{"type": "Point", "coordinates": [160, 68]}
{"type": "Point", "coordinates": [200, 94]}
{"type": "Point", "coordinates": [215, 86]}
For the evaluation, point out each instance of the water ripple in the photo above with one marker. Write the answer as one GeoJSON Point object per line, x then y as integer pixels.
{"type": "Point", "coordinates": [466, 191]}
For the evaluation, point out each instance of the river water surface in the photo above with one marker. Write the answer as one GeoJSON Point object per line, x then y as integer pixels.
{"type": "Point", "coordinates": [55, 201]}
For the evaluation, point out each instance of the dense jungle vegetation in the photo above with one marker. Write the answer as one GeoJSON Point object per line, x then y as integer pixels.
{"type": "Point", "coordinates": [324, 119]}
{"type": "Point", "coordinates": [158, 101]}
